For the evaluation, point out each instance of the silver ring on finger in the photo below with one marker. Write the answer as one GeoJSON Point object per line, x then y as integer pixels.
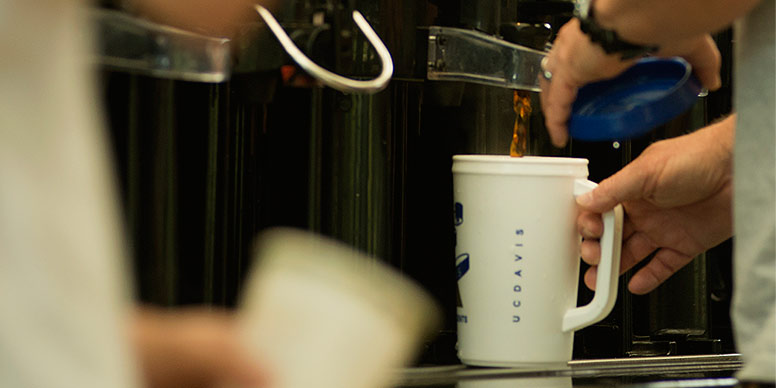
{"type": "Point", "coordinates": [545, 73]}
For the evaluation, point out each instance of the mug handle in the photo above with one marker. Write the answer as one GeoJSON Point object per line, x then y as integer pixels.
{"type": "Point", "coordinates": [608, 268]}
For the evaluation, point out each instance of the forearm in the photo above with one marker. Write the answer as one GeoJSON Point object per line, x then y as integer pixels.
{"type": "Point", "coordinates": [663, 22]}
{"type": "Point", "coordinates": [717, 210]}
{"type": "Point", "coordinates": [715, 154]}
{"type": "Point", "coordinates": [687, 169]}
{"type": "Point", "coordinates": [715, 151]}
{"type": "Point", "coordinates": [213, 17]}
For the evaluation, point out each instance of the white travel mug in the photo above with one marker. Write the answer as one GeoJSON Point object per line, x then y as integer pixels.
{"type": "Point", "coordinates": [517, 259]}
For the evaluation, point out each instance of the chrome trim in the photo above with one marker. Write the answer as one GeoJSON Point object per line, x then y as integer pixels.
{"type": "Point", "coordinates": [456, 54]}
{"type": "Point", "coordinates": [640, 366]}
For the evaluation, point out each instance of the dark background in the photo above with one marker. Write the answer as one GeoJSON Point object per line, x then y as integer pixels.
{"type": "Point", "coordinates": [203, 168]}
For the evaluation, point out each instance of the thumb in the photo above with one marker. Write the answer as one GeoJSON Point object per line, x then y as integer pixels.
{"type": "Point", "coordinates": [627, 184]}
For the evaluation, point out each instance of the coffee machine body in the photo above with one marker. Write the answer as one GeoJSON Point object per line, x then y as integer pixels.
{"type": "Point", "coordinates": [203, 167]}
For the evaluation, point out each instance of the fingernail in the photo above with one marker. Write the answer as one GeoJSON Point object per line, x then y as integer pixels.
{"type": "Point", "coordinates": [585, 199]}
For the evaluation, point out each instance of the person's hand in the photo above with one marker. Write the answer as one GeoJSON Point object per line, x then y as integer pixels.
{"type": "Point", "coordinates": [192, 348]}
{"type": "Point", "coordinates": [575, 61]}
{"type": "Point", "coordinates": [677, 201]}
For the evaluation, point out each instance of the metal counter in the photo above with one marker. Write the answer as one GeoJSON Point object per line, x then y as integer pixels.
{"type": "Point", "coordinates": [644, 372]}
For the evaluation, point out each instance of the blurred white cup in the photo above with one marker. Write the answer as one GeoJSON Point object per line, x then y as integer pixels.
{"type": "Point", "coordinates": [317, 313]}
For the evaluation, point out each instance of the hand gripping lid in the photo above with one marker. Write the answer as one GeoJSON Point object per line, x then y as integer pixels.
{"type": "Point", "coordinates": [648, 94]}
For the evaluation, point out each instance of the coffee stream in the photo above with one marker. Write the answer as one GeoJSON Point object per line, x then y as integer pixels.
{"type": "Point", "coordinates": [521, 103]}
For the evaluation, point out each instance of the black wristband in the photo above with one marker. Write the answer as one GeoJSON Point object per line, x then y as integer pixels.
{"type": "Point", "coordinates": [610, 41]}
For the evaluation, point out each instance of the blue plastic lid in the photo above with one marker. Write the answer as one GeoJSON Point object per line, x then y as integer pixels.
{"type": "Point", "coordinates": [649, 94]}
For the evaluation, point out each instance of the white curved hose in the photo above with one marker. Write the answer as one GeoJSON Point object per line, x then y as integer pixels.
{"type": "Point", "coordinates": [328, 78]}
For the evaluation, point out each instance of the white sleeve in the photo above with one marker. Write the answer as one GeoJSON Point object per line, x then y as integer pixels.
{"type": "Point", "coordinates": [64, 300]}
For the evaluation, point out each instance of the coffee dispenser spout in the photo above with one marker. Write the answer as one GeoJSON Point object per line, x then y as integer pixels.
{"type": "Point", "coordinates": [132, 44]}
{"type": "Point", "coordinates": [456, 54]}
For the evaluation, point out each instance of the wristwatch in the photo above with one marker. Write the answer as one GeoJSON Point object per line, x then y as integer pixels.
{"type": "Point", "coordinates": [609, 40]}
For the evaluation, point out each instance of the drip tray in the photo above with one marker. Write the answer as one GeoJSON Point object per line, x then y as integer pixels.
{"type": "Point", "coordinates": [650, 372]}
